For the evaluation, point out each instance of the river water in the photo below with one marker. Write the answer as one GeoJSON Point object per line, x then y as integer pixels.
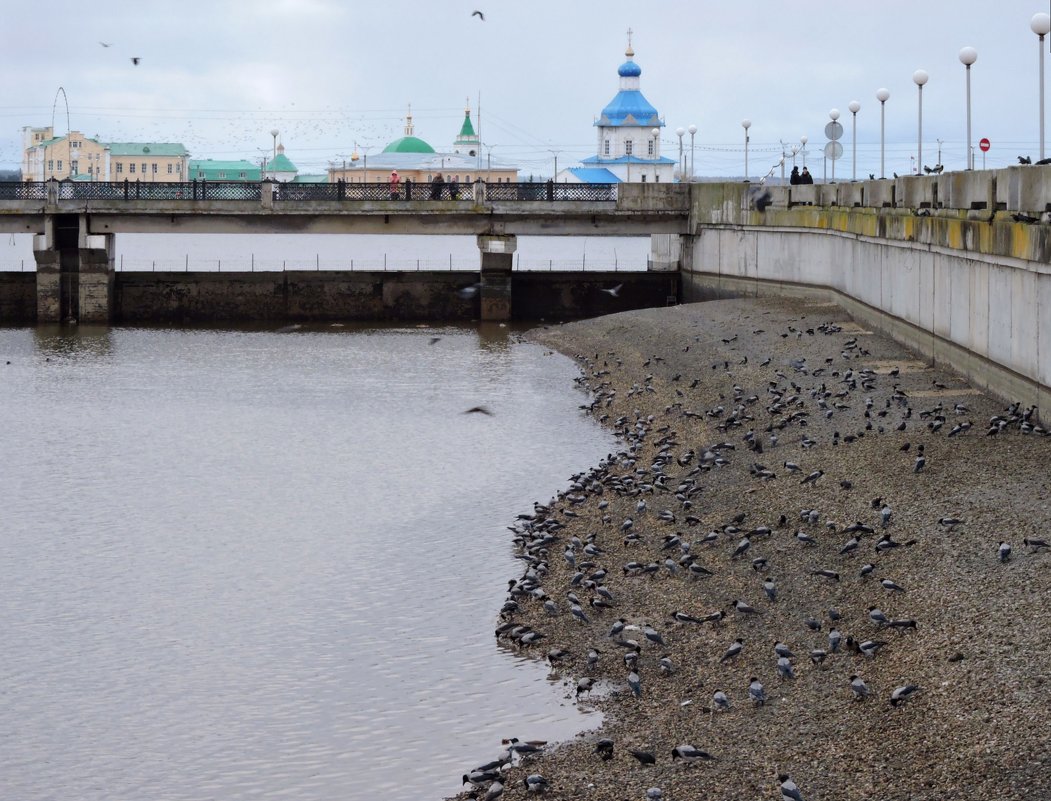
{"type": "Point", "coordinates": [276, 252]}
{"type": "Point", "coordinates": [267, 564]}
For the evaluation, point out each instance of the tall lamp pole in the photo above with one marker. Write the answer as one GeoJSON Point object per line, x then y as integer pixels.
{"type": "Point", "coordinates": [802, 143]}
{"type": "Point", "coordinates": [693, 132]}
{"type": "Point", "coordinates": [1041, 25]}
{"type": "Point", "coordinates": [655, 133]}
{"type": "Point", "coordinates": [882, 95]}
{"type": "Point", "coordinates": [920, 77]}
{"type": "Point", "coordinates": [968, 55]}
{"type": "Point", "coordinates": [854, 107]}
{"type": "Point", "coordinates": [834, 116]}
{"type": "Point", "coordinates": [746, 124]}
{"type": "Point", "coordinates": [680, 132]}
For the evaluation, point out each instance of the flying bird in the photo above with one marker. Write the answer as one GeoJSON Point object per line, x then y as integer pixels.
{"type": "Point", "coordinates": [478, 14]}
{"type": "Point", "coordinates": [614, 291]}
{"type": "Point", "coordinates": [106, 44]}
{"type": "Point", "coordinates": [135, 60]}
{"type": "Point", "coordinates": [478, 410]}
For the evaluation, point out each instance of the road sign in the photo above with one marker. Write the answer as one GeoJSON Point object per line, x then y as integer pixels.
{"type": "Point", "coordinates": [984, 145]}
{"type": "Point", "coordinates": [833, 130]}
{"type": "Point", "coordinates": [833, 150]}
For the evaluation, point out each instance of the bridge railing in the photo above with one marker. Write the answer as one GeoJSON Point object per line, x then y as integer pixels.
{"type": "Point", "coordinates": [288, 192]}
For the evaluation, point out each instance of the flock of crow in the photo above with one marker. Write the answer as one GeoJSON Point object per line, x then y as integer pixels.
{"type": "Point", "coordinates": [648, 501]}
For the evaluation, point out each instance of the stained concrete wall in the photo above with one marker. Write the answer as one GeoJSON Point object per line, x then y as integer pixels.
{"type": "Point", "coordinates": [375, 296]}
{"type": "Point", "coordinates": [17, 298]}
{"type": "Point", "coordinates": [972, 294]}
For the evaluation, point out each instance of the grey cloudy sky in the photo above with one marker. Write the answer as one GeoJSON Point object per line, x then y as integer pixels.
{"type": "Point", "coordinates": [218, 75]}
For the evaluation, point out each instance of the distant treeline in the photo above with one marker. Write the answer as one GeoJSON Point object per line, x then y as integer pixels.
{"type": "Point", "coordinates": [10, 175]}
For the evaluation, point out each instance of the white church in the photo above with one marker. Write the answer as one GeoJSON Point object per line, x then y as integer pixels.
{"type": "Point", "coordinates": [629, 146]}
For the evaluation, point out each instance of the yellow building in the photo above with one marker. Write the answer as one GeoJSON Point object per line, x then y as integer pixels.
{"type": "Point", "coordinates": [81, 158]}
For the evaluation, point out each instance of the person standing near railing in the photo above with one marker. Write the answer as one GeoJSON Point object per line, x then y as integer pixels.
{"type": "Point", "coordinates": [395, 183]}
{"type": "Point", "coordinates": [454, 188]}
{"type": "Point", "coordinates": [437, 183]}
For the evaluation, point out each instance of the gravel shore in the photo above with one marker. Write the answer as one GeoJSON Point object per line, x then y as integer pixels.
{"type": "Point", "coordinates": [710, 401]}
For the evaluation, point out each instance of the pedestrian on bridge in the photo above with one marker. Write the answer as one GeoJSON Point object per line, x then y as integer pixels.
{"type": "Point", "coordinates": [395, 183]}
{"type": "Point", "coordinates": [454, 188]}
{"type": "Point", "coordinates": [437, 183]}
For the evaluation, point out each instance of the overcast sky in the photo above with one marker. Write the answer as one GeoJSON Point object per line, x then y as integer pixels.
{"type": "Point", "coordinates": [218, 75]}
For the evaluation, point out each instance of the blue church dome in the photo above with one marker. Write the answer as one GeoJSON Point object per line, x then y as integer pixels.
{"type": "Point", "coordinates": [629, 69]}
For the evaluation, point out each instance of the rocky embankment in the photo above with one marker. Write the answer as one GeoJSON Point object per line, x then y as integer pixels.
{"type": "Point", "coordinates": [788, 482]}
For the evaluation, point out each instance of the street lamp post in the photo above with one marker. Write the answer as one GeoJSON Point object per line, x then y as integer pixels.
{"type": "Point", "coordinates": [882, 95]}
{"type": "Point", "coordinates": [968, 55]}
{"type": "Point", "coordinates": [680, 132]}
{"type": "Point", "coordinates": [854, 107]}
{"type": "Point", "coordinates": [274, 132]}
{"type": "Point", "coordinates": [919, 77]}
{"type": "Point", "coordinates": [693, 131]}
{"type": "Point", "coordinates": [834, 116]}
{"type": "Point", "coordinates": [746, 124]}
{"type": "Point", "coordinates": [802, 147]}
{"type": "Point", "coordinates": [1041, 25]}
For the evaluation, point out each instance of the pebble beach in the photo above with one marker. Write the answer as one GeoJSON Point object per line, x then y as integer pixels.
{"type": "Point", "coordinates": [787, 479]}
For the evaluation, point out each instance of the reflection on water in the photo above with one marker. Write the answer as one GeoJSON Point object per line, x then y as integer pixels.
{"type": "Point", "coordinates": [244, 563]}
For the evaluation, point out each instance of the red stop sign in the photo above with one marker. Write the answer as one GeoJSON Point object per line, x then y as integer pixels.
{"type": "Point", "coordinates": [984, 145]}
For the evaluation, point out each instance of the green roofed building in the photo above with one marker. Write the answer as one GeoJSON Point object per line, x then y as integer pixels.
{"type": "Point", "coordinates": [77, 157]}
{"type": "Point", "coordinates": [213, 170]}
{"type": "Point", "coordinates": [414, 159]}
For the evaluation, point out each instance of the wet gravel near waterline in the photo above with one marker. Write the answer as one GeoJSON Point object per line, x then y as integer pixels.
{"type": "Point", "coordinates": [698, 510]}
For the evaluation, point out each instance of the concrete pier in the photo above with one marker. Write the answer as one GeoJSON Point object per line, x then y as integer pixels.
{"type": "Point", "coordinates": [498, 252]}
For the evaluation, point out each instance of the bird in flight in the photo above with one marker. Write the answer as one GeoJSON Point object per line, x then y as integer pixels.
{"type": "Point", "coordinates": [478, 410]}
{"type": "Point", "coordinates": [615, 291]}
{"type": "Point", "coordinates": [478, 14]}
{"type": "Point", "coordinates": [135, 60]}
{"type": "Point", "coordinates": [106, 44]}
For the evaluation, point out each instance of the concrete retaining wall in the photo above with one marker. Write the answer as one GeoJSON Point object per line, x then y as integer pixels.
{"type": "Point", "coordinates": [374, 296]}
{"type": "Point", "coordinates": [986, 315]}
{"type": "Point", "coordinates": [18, 298]}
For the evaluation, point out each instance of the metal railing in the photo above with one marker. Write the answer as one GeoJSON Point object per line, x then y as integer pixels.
{"type": "Point", "coordinates": [290, 192]}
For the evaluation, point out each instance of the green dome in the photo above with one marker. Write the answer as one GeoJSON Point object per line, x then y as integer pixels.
{"type": "Point", "coordinates": [408, 144]}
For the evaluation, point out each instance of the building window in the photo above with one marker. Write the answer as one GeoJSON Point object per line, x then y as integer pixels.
{"type": "Point", "coordinates": [649, 149]}
{"type": "Point", "coordinates": [628, 145]}
{"type": "Point", "coordinates": [73, 167]}
{"type": "Point", "coordinates": [657, 178]}
{"type": "Point", "coordinates": [170, 168]}
{"type": "Point", "coordinates": [178, 168]}
{"type": "Point", "coordinates": [222, 175]}
{"type": "Point", "coordinates": [155, 168]}
{"type": "Point", "coordinates": [644, 177]}
{"type": "Point", "coordinates": [241, 175]}
{"type": "Point", "coordinates": [131, 167]}
{"type": "Point", "coordinates": [60, 165]}
{"type": "Point", "coordinates": [50, 164]}
{"type": "Point", "coordinates": [120, 168]}
{"type": "Point", "coordinates": [144, 168]}
{"type": "Point", "coordinates": [605, 148]}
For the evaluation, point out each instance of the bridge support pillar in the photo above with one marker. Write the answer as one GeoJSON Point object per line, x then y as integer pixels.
{"type": "Point", "coordinates": [498, 252]}
{"type": "Point", "coordinates": [74, 272]}
{"type": "Point", "coordinates": [665, 253]}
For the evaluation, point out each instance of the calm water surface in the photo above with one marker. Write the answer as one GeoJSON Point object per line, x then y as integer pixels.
{"type": "Point", "coordinates": [262, 564]}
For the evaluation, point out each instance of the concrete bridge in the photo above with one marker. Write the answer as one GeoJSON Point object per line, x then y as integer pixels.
{"type": "Point", "coordinates": [957, 266]}
{"type": "Point", "coordinates": [74, 224]}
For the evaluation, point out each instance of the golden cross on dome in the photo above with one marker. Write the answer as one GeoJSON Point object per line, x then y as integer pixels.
{"type": "Point", "coordinates": [629, 52]}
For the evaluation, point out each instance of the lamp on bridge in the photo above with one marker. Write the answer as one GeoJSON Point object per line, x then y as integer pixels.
{"type": "Point", "coordinates": [693, 132]}
{"type": "Point", "coordinates": [274, 132]}
{"type": "Point", "coordinates": [655, 133]}
{"type": "Point", "coordinates": [920, 77]}
{"type": "Point", "coordinates": [834, 116]}
{"type": "Point", "coordinates": [679, 132]}
{"type": "Point", "coordinates": [802, 147]}
{"type": "Point", "coordinates": [968, 55]}
{"type": "Point", "coordinates": [854, 107]}
{"type": "Point", "coordinates": [1041, 25]}
{"type": "Point", "coordinates": [746, 124]}
{"type": "Point", "coordinates": [882, 95]}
